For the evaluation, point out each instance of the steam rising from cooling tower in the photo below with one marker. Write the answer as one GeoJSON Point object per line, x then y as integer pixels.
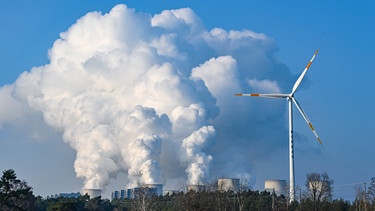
{"type": "Point", "coordinates": [152, 96]}
{"type": "Point", "coordinates": [92, 193]}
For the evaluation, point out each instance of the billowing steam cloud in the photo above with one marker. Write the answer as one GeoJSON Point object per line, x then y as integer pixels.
{"type": "Point", "coordinates": [152, 96]}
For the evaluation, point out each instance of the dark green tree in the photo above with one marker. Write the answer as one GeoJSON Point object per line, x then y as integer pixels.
{"type": "Point", "coordinates": [194, 201]}
{"type": "Point", "coordinates": [121, 204]}
{"type": "Point", "coordinates": [14, 193]}
{"type": "Point", "coordinates": [339, 205]}
{"type": "Point", "coordinates": [98, 204]}
{"type": "Point", "coordinates": [63, 204]}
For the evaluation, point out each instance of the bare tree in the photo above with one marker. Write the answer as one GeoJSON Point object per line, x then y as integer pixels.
{"type": "Point", "coordinates": [319, 190]}
{"type": "Point", "coordinates": [143, 198]}
{"type": "Point", "coordinates": [371, 191]}
{"type": "Point", "coordinates": [319, 187]}
{"type": "Point", "coordinates": [223, 196]}
{"type": "Point", "coordinates": [241, 195]}
{"type": "Point", "coordinates": [360, 197]}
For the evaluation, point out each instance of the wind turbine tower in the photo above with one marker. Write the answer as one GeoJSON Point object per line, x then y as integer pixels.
{"type": "Point", "coordinates": [291, 100]}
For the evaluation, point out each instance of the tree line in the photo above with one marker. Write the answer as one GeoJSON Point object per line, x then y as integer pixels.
{"type": "Point", "coordinates": [16, 194]}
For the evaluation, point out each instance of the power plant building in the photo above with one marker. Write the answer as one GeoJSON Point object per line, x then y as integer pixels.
{"type": "Point", "coordinates": [64, 195]}
{"type": "Point", "coordinates": [118, 194]}
{"type": "Point", "coordinates": [158, 187]}
{"type": "Point", "coordinates": [139, 192]}
{"type": "Point", "coordinates": [131, 193]}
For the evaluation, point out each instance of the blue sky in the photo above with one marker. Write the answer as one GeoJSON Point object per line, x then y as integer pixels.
{"type": "Point", "coordinates": [336, 94]}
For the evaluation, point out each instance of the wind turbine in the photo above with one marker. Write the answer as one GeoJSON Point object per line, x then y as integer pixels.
{"type": "Point", "coordinates": [291, 100]}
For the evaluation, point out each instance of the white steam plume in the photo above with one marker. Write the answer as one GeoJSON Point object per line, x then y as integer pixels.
{"type": "Point", "coordinates": [139, 94]}
{"type": "Point", "coordinates": [191, 152]}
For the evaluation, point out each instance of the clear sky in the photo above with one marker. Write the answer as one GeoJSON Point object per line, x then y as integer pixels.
{"type": "Point", "coordinates": [336, 95]}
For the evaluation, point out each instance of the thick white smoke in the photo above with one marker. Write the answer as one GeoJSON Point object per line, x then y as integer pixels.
{"type": "Point", "coordinates": [191, 153]}
{"type": "Point", "coordinates": [140, 94]}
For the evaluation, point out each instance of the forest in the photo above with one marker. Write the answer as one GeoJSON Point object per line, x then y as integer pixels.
{"type": "Point", "coordinates": [16, 194]}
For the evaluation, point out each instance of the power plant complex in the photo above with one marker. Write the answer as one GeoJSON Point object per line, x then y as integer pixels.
{"type": "Point", "coordinates": [279, 187]}
{"type": "Point", "coordinates": [223, 184]}
{"type": "Point", "coordinates": [146, 189]}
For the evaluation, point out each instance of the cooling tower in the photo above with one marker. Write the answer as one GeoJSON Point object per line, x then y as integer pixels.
{"type": "Point", "coordinates": [228, 184]}
{"type": "Point", "coordinates": [158, 187]}
{"type": "Point", "coordinates": [196, 188]}
{"type": "Point", "coordinates": [279, 186]}
{"type": "Point", "coordinates": [92, 192]}
{"type": "Point", "coordinates": [171, 192]}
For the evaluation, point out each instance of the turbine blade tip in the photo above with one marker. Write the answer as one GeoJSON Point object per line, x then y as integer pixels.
{"type": "Point", "coordinates": [238, 95]}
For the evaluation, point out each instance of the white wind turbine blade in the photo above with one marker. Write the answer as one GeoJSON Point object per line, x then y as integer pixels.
{"type": "Point", "coordinates": [264, 95]}
{"type": "Point", "coordinates": [298, 82]}
{"type": "Point", "coordinates": [306, 119]}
